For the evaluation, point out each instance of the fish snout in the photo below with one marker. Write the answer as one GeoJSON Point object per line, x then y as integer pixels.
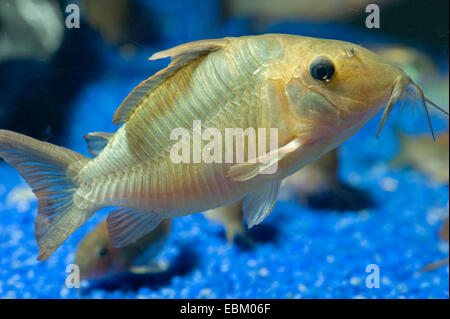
{"type": "Point", "coordinates": [404, 88]}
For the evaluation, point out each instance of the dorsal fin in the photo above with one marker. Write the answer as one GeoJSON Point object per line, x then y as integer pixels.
{"type": "Point", "coordinates": [96, 141]}
{"type": "Point", "coordinates": [180, 56]}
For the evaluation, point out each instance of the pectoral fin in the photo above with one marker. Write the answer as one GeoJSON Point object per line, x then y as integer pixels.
{"type": "Point", "coordinates": [263, 164]}
{"type": "Point", "coordinates": [126, 226]}
{"type": "Point", "coordinates": [258, 204]}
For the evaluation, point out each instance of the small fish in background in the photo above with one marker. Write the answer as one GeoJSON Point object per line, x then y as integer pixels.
{"type": "Point", "coordinates": [318, 186]}
{"type": "Point", "coordinates": [317, 93]}
{"type": "Point", "coordinates": [98, 259]}
{"type": "Point", "coordinates": [419, 152]}
{"type": "Point", "coordinates": [108, 18]}
{"type": "Point", "coordinates": [416, 63]}
{"type": "Point", "coordinates": [422, 154]}
{"type": "Point", "coordinates": [421, 68]}
{"type": "Point", "coordinates": [443, 235]}
{"type": "Point", "coordinates": [317, 177]}
{"type": "Point", "coordinates": [301, 10]}
{"type": "Point", "coordinates": [230, 217]}
{"type": "Point", "coordinates": [120, 23]}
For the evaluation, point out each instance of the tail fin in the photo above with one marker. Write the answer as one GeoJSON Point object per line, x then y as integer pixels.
{"type": "Point", "coordinates": [52, 173]}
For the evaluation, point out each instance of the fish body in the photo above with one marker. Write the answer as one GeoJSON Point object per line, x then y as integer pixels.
{"type": "Point", "coordinates": [315, 93]}
{"type": "Point", "coordinates": [220, 89]}
{"type": "Point", "coordinates": [97, 258]}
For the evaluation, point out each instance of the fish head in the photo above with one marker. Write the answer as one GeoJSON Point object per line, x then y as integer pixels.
{"type": "Point", "coordinates": [338, 86]}
{"type": "Point", "coordinates": [96, 257]}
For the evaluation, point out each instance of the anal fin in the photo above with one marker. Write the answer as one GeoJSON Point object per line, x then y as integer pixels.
{"type": "Point", "coordinates": [126, 226]}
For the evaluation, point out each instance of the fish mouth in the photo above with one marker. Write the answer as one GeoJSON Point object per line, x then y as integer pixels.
{"type": "Point", "coordinates": [405, 87]}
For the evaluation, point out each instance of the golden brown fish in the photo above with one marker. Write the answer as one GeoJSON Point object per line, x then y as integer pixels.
{"type": "Point", "coordinates": [230, 217]}
{"type": "Point", "coordinates": [420, 67]}
{"type": "Point", "coordinates": [416, 63]}
{"type": "Point", "coordinates": [425, 156]}
{"type": "Point", "coordinates": [97, 258]}
{"type": "Point", "coordinates": [443, 235]}
{"type": "Point", "coordinates": [319, 186]}
{"type": "Point", "coordinates": [317, 177]}
{"type": "Point", "coordinates": [313, 93]}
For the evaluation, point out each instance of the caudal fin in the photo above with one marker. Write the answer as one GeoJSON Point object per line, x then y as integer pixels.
{"type": "Point", "coordinates": [52, 173]}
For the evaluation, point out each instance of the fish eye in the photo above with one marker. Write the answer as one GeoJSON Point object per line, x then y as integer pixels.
{"type": "Point", "coordinates": [322, 69]}
{"type": "Point", "coordinates": [102, 252]}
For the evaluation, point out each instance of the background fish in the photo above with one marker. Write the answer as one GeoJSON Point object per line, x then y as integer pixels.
{"type": "Point", "coordinates": [316, 92]}
{"type": "Point", "coordinates": [97, 258]}
{"type": "Point", "coordinates": [319, 186]}
{"type": "Point", "coordinates": [420, 67]}
{"type": "Point", "coordinates": [420, 153]}
{"type": "Point", "coordinates": [230, 217]}
{"type": "Point", "coordinates": [443, 235]}
{"type": "Point", "coordinates": [316, 177]}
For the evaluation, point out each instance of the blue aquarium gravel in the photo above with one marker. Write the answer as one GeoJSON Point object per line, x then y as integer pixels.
{"type": "Point", "coordinates": [299, 252]}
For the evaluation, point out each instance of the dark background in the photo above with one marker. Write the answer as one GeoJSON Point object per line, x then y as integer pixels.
{"type": "Point", "coordinates": [38, 86]}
